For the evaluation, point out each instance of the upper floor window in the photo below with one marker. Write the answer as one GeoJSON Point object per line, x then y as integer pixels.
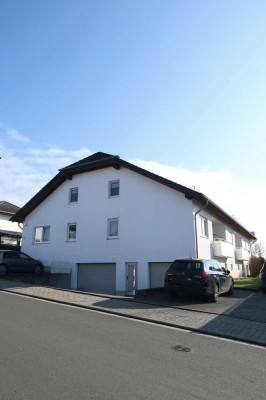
{"type": "Point", "coordinates": [113, 188]}
{"type": "Point", "coordinates": [42, 234]}
{"type": "Point", "coordinates": [245, 245]}
{"type": "Point", "coordinates": [229, 236]}
{"type": "Point", "coordinates": [73, 195]}
{"type": "Point", "coordinates": [71, 231]}
{"type": "Point", "coordinates": [203, 226]}
{"type": "Point", "coordinates": [112, 228]}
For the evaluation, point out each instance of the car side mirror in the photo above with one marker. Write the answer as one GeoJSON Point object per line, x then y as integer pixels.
{"type": "Point", "coordinates": [228, 272]}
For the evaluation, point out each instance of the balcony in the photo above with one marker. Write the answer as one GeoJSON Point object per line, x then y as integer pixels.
{"type": "Point", "coordinates": [242, 254]}
{"type": "Point", "coordinates": [221, 248]}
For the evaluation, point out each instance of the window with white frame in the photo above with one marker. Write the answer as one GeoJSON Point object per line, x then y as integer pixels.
{"type": "Point", "coordinates": [42, 234]}
{"type": "Point", "coordinates": [203, 226]}
{"type": "Point", "coordinates": [245, 244]}
{"type": "Point", "coordinates": [71, 231]}
{"type": "Point", "coordinates": [229, 236]}
{"type": "Point", "coordinates": [112, 228]}
{"type": "Point", "coordinates": [73, 195]}
{"type": "Point", "coordinates": [114, 188]}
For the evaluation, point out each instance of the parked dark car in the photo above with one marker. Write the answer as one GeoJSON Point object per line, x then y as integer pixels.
{"type": "Point", "coordinates": [263, 277]}
{"type": "Point", "coordinates": [16, 261]}
{"type": "Point", "coordinates": [198, 276]}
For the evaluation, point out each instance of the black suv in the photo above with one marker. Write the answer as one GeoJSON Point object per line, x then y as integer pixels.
{"type": "Point", "coordinates": [198, 276]}
{"type": "Point", "coordinates": [263, 277]}
{"type": "Point", "coordinates": [16, 261]}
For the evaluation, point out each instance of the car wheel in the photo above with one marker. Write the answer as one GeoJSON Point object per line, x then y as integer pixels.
{"type": "Point", "coordinates": [38, 269]}
{"type": "Point", "coordinates": [3, 269]}
{"type": "Point", "coordinates": [214, 296]}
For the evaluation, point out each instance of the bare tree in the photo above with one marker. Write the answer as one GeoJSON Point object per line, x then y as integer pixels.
{"type": "Point", "coordinates": [258, 249]}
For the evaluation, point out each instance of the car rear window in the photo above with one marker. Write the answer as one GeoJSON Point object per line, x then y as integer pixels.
{"type": "Point", "coordinates": [186, 266]}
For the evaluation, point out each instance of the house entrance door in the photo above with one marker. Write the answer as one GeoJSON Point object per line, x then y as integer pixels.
{"type": "Point", "coordinates": [131, 276]}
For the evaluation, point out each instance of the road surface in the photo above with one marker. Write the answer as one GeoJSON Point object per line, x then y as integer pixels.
{"type": "Point", "coordinates": [51, 351]}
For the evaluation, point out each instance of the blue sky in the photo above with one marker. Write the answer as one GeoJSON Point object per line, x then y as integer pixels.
{"type": "Point", "coordinates": [175, 86]}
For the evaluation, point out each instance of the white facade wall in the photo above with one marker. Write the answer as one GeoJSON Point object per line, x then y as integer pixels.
{"type": "Point", "coordinates": [155, 224]}
{"type": "Point", "coordinates": [204, 242]}
{"type": "Point", "coordinates": [7, 225]}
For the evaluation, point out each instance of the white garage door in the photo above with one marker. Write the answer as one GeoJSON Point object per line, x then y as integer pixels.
{"type": "Point", "coordinates": [97, 278]}
{"type": "Point", "coordinates": [157, 272]}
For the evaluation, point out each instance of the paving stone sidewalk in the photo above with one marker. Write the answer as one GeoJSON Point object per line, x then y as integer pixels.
{"type": "Point", "coordinates": [229, 326]}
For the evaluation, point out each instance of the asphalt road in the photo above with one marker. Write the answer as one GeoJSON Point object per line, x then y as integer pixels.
{"type": "Point", "coordinates": [50, 351]}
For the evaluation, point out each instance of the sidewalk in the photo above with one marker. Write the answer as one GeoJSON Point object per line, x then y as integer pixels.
{"type": "Point", "coordinates": [233, 326]}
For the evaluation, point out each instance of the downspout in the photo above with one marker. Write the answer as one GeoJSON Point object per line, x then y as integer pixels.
{"type": "Point", "coordinates": [195, 221]}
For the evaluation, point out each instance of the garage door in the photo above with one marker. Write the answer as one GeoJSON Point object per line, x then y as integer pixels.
{"type": "Point", "coordinates": [97, 278]}
{"type": "Point", "coordinates": [157, 272]}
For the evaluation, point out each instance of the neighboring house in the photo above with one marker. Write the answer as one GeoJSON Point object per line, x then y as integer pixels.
{"type": "Point", "coordinates": [108, 219]}
{"type": "Point", "coordinates": [10, 232]}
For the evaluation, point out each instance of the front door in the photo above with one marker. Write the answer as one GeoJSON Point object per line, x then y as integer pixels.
{"type": "Point", "coordinates": [131, 276]}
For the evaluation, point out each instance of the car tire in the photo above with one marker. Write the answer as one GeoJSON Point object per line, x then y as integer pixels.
{"type": "Point", "coordinates": [3, 269]}
{"type": "Point", "coordinates": [38, 269]}
{"type": "Point", "coordinates": [215, 294]}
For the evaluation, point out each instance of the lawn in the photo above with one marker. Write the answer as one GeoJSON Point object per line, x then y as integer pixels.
{"type": "Point", "coordinates": [247, 283]}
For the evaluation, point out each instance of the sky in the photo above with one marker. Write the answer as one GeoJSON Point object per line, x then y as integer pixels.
{"type": "Point", "coordinates": [176, 87]}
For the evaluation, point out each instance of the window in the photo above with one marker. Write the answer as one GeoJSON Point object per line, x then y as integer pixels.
{"type": "Point", "coordinates": [203, 226]}
{"type": "Point", "coordinates": [42, 234]}
{"type": "Point", "coordinates": [114, 189]}
{"type": "Point", "coordinates": [229, 236]}
{"type": "Point", "coordinates": [23, 256]}
{"type": "Point", "coordinates": [113, 228]}
{"type": "Point", "coordinates": [73, 195]}
{"type": "Point", "coordinates": [215, 266]}
{"type": "Point", "coordinates": [71, 231]}
{"type": "Point", "coordinates": [245, 244]}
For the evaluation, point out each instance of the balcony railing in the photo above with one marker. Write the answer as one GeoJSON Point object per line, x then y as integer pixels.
{"type": "Point", "coordinates": [221, 248]}
{"type": "Point", "coordinates": [242, 254]}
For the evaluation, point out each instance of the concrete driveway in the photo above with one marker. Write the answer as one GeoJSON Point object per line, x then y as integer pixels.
{"type": "Point", "coordinates": [224, 304]}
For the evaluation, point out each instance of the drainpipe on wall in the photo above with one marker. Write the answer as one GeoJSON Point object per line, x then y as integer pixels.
{"type": "Point", "coordinates": [196, 232]}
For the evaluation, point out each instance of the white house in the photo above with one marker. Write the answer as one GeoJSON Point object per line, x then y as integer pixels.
{"type": "Point", "coordinates": [108, 220]}
{"type": "Point", "coordinates": [10, 232]}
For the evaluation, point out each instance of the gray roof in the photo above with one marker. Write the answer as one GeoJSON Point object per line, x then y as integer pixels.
{"type": "Point", "coordinates": [8, 208]}
{"type": "Point", "coordinates": [10, 233]}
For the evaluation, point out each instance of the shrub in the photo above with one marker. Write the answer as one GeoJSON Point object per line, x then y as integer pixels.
{"type": "Point", "coordinates": [255, 264]}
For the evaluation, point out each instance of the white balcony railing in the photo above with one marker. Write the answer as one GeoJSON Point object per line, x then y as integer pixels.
{"type": "Point", "coordinates": [242, 254]}
{"type": "Point", "coordinates": [221, 248]}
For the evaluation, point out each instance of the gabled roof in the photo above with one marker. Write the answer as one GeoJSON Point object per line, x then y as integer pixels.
{"type": "Point", "coordinates": [103, 160]}
{"type": "Point", "coordinates": [8, 208]}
